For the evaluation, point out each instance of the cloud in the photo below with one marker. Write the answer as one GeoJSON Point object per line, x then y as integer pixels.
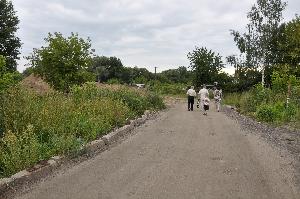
{"type": "Point", "coordinates": [143, 33]}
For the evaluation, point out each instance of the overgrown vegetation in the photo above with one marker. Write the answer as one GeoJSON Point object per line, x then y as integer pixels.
{"type": "Point", "coordinates": [169, 89]}
{"type": "Point", "coordinates": [34, 127]}
{"type": "Point", "coordinates": [7, 78]}
{"type": "Point", "coordinates": [64, 61]}
{"type": "Point", "coordinates": [270, 105]}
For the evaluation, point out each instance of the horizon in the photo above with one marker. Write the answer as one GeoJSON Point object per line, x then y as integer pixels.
{"type": "Point", "coordinates": [131, 31]}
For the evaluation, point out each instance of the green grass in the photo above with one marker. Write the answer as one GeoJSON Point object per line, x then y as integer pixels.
{"type": "Point", "coordinates": [35, 127]}
{"type": "Point", "coordinates": [266, 105]}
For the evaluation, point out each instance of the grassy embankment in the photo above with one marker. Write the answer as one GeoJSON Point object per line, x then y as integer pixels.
{"type": "Point", "coordinates": [268, 105]}
{"type": "Point", "coordinates": [35, 127]}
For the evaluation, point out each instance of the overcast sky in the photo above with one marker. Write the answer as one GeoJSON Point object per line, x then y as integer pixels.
{"type": "Point", "coordinates": [143, 33]}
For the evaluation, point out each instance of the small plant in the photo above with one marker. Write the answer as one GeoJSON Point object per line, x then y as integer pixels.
{"type": "Point", "coordinates": [266, 113]}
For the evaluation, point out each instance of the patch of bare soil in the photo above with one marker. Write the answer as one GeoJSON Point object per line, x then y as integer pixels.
{"type": "Point", "coordinates": [37, 84]}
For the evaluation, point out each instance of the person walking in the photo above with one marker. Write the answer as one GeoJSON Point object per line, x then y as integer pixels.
{"type": "Point", "coordinates": [191, 93]}
{"type": "Point", "coordinates": [218, 98]}
{"type": "Point", "coordinates": [203, 93]}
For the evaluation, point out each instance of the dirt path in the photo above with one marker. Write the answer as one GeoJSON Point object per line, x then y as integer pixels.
{"type": "Point", "coordinates": [179, 155]}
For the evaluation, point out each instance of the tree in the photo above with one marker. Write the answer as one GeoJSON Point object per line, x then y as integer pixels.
{"type": "Point", "coordinates": [64, 61]}
{"type": "Point", "coordinates": [107, 68]}
{"type": "Point", "coordinates": [27, 72]}
{"type": "Point", "coordinates": [7, 78]}
{"type": "Point", "coordinates": [205, 64]}
{"type": "Point", "coordinates": [179, 75]}
{"type": "Point", "coordinates": [244, 77]}
{"type": "Point", "coordinates": [9, 42]}
{"type": "Point", "coordinates": [258, 42]}
{"type": "Point", "coordinates": [289, 47]}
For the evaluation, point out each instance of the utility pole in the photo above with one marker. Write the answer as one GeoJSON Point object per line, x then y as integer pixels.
{"type": "Point", "coordinates": [155, 72]}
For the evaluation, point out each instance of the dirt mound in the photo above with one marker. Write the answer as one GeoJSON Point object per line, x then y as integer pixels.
{"type": "Point", "coordinates": [36, 83]}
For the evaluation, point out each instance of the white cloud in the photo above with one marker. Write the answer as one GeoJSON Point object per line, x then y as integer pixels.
{"type": "Point", "coordinates": [143, 33]}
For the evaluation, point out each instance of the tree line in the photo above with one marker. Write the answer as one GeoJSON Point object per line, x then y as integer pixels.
{"type": "Point", "coordinates": [267, 46]}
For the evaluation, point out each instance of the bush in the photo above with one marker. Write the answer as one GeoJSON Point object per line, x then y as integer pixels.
{"type": "Point", "coordinates": [232, 99]}
{"type": "Point", "coordinates": [34, 127]}
{"type": "Point", "coordinates": [278, 112]}
{"type": "Point", "coordinates": [266, 113]}
{"type": "Point", "coordinates": [168, 89]}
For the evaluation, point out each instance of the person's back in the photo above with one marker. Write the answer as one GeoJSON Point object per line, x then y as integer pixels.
{"type": "Point", "coordinates": [203, 93]}
{"type": "Point", "coordinates": [191, 92]}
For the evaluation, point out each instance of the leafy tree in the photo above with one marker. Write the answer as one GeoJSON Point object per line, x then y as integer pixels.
{"type": "Point", "coordinates": [136, 75]}
{"type": "Point", "coordinates": [289, 47]}
{"type": "Point", "coordinates": [244, 77]}
{"type": "Point", "coordinates": [206, 65]}
{"type": "Point", "coordinates": [28, 71]}
{"type": "Point", "coordinates": [9, 42]}
{"type": "Point", "coordinates": [107, 68]}
{"type": "Point", "coordinates": [64, 61]}
{"type": "Point", "coordinates": [7, 78]}
{"type": "Point", "coordinates": [258, 42]}
{"type": "Point", "coordinates": [179, 75]}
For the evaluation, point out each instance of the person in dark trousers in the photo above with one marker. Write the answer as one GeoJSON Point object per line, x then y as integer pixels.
{"type": "Point", "coordinates": [191, 93]}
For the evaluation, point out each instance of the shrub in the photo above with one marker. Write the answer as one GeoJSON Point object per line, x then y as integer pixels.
{"type": "Point", "coordinates": [34, 127]}
{"type": "Point", "coordinates": [232, 99]}
{"type": "Point", "coordinates": [266, 113]}
{"type": "Point", "coordinates": [18, 151]}
{"type": "Point", "coordinates": [290, 112]}
{"type": "Point", "coordinates": [168, 89]}
{"type": "Point", "coordinates": [278, 112]}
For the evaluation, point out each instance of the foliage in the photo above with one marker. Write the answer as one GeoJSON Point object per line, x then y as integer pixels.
{"type": "Point", "coordinates": [179, 75]}
{"type": "Point", "coordinates": [259, 42]}
{"type": "Point", "coordinates": [168, 89]}
{"type": "Point", "coordinates": [277, 112]}
{"type": "Point", "coordinates": [280, 81]}
{"type": "Point", "coordinates": [7, 79]}
{"type": "Point", "coordinates": [113, 81]}
{"type": "Point", "coordinates": [205, 64]}
{"type": "Point", "coordinates": [10, 44]}
{"type": "Point", "coordinates": [35, 127]}
{"type": "Point", "coordinates": [244, 77]}
{"type": "Point", "coordinates": [27, 72]}
{"type": "Point", "coordinates": [106, 68]}
{"type": "Point", "coordinates": [289, 47]}
{"type": "Point", "coordinates": [269, 105]}
{"type": "Point", "coordinates": [64, 61]}
{"type": "Point", "coordinates": [232, 99]}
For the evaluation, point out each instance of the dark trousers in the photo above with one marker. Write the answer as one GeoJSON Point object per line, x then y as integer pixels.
{"type": "Point", "coordinates": [191, 103]}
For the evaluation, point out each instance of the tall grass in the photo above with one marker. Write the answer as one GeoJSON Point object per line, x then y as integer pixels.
{"type": "Point", "coordinates": [34, 127]}
{"type": "Point", "coordinates": [169, 89]}
{"type": "Point", "coordinates": [267, 105]}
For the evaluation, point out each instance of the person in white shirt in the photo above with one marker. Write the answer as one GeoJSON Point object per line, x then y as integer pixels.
{"type": "Point", "coordinates": [203, 93]}
{"type": "Point", "coordinates": [191, 93]}
{"type": "Point", "coordinates": [218, 98]}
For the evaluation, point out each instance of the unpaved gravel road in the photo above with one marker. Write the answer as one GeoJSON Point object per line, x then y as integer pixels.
{"type": "Point", "coordinates": [182, 155]}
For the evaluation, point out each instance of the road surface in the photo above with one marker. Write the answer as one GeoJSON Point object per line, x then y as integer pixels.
{"type": "Point", "coordinates": [182, 155]}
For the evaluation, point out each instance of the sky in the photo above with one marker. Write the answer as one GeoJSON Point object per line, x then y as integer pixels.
{"type": "Point", "coordinates": [142, 33]}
